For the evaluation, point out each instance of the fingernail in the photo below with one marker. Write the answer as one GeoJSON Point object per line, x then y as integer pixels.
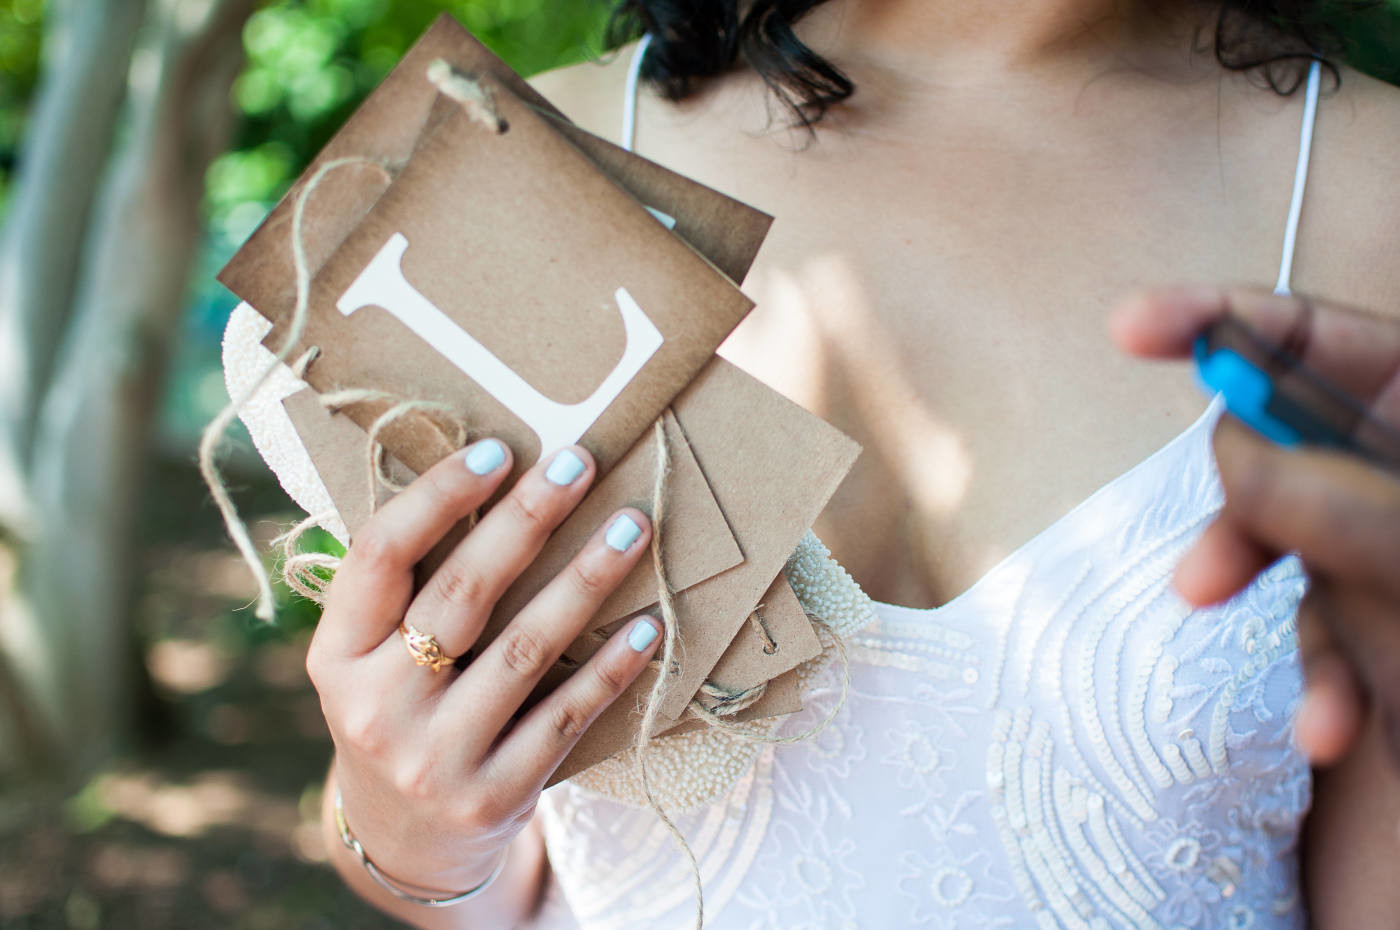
{"type": "Point", "coordinates": [565, 468]}
{"type": "Point", "coordinates": [643, 634]}
{"type": "Point", "coordinates": [486, 456]}
{"type": "Point", "coordinates": [623, 533]}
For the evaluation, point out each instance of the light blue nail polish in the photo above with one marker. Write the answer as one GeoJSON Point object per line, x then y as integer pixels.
{"type": "Point", "coordinates": [485, 457]}
{"type": "Point", "coordinates": [643, 635]}
{"type": "Point", "coordinates": [565, 468]}
{"type": "Point", "coordinates": [623, 533]}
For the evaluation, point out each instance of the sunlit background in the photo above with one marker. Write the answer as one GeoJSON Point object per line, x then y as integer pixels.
{"type": "Point", "coordinates": [166, 772]}
{"type": "Point", "coordinates": [161, 751]}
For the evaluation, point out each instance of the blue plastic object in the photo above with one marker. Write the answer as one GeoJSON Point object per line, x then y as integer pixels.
{"type": "Point", "coordinates": [1246, 388]}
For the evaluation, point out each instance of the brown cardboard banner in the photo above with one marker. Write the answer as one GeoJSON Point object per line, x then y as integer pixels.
{"type": "Point", "coordinates": [506, 277]}
{"type": "Point", "coordinates": [530, 185]}
{"type": "Point", "coordinates": [518, 278]}
{"type": "Point", "coordinates": [772, 466]}
{"type": "Point", "coordinates": [386, 129]}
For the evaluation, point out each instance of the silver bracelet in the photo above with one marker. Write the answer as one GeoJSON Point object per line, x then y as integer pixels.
{"type": "Point", "coordinates": [392, 886]}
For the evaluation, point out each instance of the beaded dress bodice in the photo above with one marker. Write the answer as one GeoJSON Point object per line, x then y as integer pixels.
{"type": "Point", "coordinates": [1066, 745]}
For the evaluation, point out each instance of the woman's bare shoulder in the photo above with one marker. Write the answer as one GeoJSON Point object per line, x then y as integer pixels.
{"type": "Point", "coordinates": [590, 93]}
{"type": "Point", "coordinates": [1351, 215]}
{"type": "Point", "coordinates": [1359, 126]}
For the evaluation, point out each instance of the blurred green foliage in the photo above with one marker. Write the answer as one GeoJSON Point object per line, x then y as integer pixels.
{"type": "Point", "coordinates": [310, 62]}
{"type": "Point", "coordinates": [1373, 40]}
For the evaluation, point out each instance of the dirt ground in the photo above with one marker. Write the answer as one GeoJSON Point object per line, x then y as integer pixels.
{"type": "Point", "coordinates": [211, 821]}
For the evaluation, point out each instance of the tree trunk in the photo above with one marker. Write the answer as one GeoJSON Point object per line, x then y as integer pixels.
{"type": "Point", "coordinates": [88, 46]}
{"type": "Point", "coordinates": [92, 434]}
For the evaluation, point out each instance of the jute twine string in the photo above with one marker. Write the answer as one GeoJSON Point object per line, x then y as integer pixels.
{"type": "Point", "coordinates": [727, 701]}
{"type": "Point", "coordinates": [475, 98]}
{"type": "Point", "coordinates": [442, 416]}
{"type": "Point", "coordinates": [214, 432]}
{"type": "Point", "coordinates": [730, 702]}
{"type": "Point", "coordinates": [670, 645]}
{"type": "Point", "coordinates": [716, 717]}
{"type": "Point", "coordinates": [306, 573]}
{"type": "Point", "coordinates": [761, 628]}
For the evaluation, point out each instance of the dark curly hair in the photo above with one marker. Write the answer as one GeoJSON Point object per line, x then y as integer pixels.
{"type": "Point", "coordinates": [694, 39]}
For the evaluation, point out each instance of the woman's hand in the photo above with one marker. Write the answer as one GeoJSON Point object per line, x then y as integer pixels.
{"type": "Point", "coordinates": [1342, 516]}
{"type": "Point", "coordinates": [436, 772]}
{"type": "Point", "coordinates": [1339, 513]}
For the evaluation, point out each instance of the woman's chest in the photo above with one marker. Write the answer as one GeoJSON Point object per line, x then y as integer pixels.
{"type": "Point", "coordinates": [977, 374]}
{"type": "Point", "coordinates": [945, 305]}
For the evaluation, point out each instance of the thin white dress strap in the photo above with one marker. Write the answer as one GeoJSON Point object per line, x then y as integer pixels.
{"type": "Point", "coordinates": [1300, 179]}
{"type": "Point", "coordinates": [629, 103]}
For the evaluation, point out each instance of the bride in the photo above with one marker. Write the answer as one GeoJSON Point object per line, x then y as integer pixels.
{"type": "Point", "coordinates": [1039, 733]}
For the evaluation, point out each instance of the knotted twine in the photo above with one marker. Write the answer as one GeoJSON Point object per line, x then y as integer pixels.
{"type": "Point", "coordinates": [476, 100]}
{"type": "Point", "coordinates": [309, 573]}
{"type": "Point", "coordinates": [214, 433]}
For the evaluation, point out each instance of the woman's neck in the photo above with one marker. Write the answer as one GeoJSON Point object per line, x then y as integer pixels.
{"type": "Point", "coordinates": [952, 41]}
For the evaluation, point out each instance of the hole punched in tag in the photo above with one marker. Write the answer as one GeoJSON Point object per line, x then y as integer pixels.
{"type": "Point", "coordinates": [770, 645]}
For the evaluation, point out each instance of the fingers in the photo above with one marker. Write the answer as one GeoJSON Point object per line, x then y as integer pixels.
{"type": "Point", "coordinates": [374, 583]}
{"type": "Point", "coordinates": [1340, 515]}
{"type": "Point", "coordinates": [1333, 711]}
{"type": "Point", "coordinates": [1364, 629]}
{"type": "Point", "coordinates": [1223, 561]}
{"type": "Point", "coordinates": [545, 735]}
{"type": "Point", "coordinates": [495, 685]}
{"type": "Point", "coordinates": [1356, 350]}
{"type": "Point", "coordinates": [1164, 323]}
{"type": "Point", "coordinates": [457, 599]}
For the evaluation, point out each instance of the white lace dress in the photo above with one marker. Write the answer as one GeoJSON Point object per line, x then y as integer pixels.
{"type": "Point", "coordinates": [1066, 745]}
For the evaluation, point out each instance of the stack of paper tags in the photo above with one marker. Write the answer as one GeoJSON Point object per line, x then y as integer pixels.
{"type": "Point", "coordinates": [549, 288]}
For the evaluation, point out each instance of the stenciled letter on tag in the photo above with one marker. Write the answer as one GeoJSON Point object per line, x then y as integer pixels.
{"type": "Point", "coordinates": [504, 276]}
{"type": "Point", "coordinates": [382, 284]}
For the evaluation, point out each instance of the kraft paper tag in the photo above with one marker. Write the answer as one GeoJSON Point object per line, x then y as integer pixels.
{"type": "Point", "coordinates": [494, 252]}
{"type": "Point", "coordinates": [506, 277]}
{"type": "Point", "coordinates": [786, 641]}
{"type": "Point", "coordinates": [789, 475]}
{"type": "Point", "coordinates": [386, 128]}
{"type": "Point", "coordinates": [772, 466]}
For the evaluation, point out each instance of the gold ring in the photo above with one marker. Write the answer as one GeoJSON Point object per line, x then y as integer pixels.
{"type": "Point", "coordinates": [424, 647]}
